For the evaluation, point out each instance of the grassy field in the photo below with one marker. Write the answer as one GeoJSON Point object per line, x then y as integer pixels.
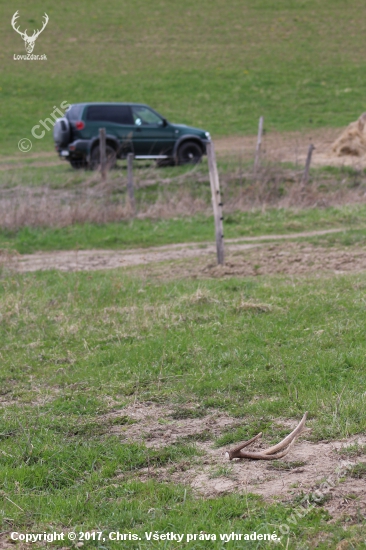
{"type": "Point", "coordinates": [78, 349]}
{"type": "Point", "coordinates": [214, 65]}
{"type": "Point", "coordinates": [81, 352]}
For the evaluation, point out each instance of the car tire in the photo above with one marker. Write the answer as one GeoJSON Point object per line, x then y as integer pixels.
{"type": "Point", "coordinates": [189, 153]}
{"type": "Point", "coordinates": [61, 132]}
{"type": "Point", "coordinates": [78, 163]}
{"type": "Point", "coordinates": [111, 157]}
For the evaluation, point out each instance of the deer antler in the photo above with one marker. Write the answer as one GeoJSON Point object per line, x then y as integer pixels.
{"type": "Point", "coordinates": [273, 453]}
{"type": "Point", "coordinates": [38, 32]}
{"type": "Point", "coordinates": [13, 21]}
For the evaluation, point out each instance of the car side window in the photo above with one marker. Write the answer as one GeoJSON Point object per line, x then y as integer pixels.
{"type": "Point", "coordinates": [119, 114]}
{"type": "Point", "coordinates": [143, 116]}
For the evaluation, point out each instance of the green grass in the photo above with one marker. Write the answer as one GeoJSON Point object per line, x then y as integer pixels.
{"type": "Point", "coordinates": [346, 238]}
{"type": "Point", "coordinates": [352, 450]}
{"type": "Point", "coordinates": [210, 64]}
{"type": "Point", "coordinates": [199, 228]}
{"type": "Point", "coordinates": [77, 346]}
{"type": "Point", "coordinates": [59, 176]}
{"type": "Point", "coordinates": [358, 470]}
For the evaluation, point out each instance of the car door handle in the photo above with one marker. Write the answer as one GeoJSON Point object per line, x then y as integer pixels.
{"type": "Point", "coordinates": [138, 129]}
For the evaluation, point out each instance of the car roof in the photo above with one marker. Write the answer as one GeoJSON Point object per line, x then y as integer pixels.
{"type": "Point", "coordinates": [109, 103]}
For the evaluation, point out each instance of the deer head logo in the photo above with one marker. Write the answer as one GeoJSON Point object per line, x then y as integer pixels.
{"type": "Point", "coordinates": [29, 41]}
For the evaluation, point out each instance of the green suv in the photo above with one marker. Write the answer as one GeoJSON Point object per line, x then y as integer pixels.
{"type": "Point", "coordinates": [130, 128]}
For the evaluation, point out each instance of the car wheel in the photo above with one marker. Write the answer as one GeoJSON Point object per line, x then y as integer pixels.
{"type": "Point", "coordinates": [78, 162]}
{"type": "Point", "coordinates": [189, 153]}
{"type": "Point", "coordinates": [111, 157]}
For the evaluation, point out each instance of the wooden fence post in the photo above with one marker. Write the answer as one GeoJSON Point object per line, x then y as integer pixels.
{"type": "Point", "coordinates": [258, 147]}
{"type": "Point", "coordinates": [131, 194]}
{"type": "Point", "coordinates": [216, 202]}
{"type": "Point", "coordinates": [305, 177]}
{"type": "Point", "coordinates": [103, 156]}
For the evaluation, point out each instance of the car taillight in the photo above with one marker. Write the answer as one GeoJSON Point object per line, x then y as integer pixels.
{"type": "Point", "coordinates": [79, 125]}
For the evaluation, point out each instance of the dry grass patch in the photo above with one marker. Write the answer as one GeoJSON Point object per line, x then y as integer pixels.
{"type": "Point", "coordinates": [253, 306]}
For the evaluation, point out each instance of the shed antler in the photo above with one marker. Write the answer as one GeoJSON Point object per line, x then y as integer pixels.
{"type": "Point", "coordinates": [273, 453]}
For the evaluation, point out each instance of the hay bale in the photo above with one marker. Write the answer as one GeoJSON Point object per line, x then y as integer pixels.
{"type": "Point", "coordinates": [353, 140]}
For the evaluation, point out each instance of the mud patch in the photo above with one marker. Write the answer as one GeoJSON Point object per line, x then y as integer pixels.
{"type": "Point", "coordinates": [321, 469]}
{"type": "Point", "coordinates": [292, 258]}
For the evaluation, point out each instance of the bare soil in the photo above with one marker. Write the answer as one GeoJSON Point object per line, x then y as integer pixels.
{"type": "Point", "coordinates": [299, 473]}
{"type": "Point", "coordinates": [27, 156]}
{"type": "Point", "coordinates": [199, 260]}
{"type": "Point", "coordinates": [290, 259]}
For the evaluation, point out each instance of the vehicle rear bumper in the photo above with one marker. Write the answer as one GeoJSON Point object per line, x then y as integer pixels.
{"type": "Point", "coordinates": [78, 148]}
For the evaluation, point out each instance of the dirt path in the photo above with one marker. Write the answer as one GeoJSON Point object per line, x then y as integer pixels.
{"type": "Point", "coordinates": [9, 166]}
{"type": "Point", "coordinates": [244, 256]}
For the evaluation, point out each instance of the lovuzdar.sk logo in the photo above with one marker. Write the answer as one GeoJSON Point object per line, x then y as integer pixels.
{"type": "Point", "coordinates": [29, 41]}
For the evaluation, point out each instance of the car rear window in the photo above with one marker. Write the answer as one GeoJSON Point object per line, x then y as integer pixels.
{"type": "Point", "coordinates": [119, 114]}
